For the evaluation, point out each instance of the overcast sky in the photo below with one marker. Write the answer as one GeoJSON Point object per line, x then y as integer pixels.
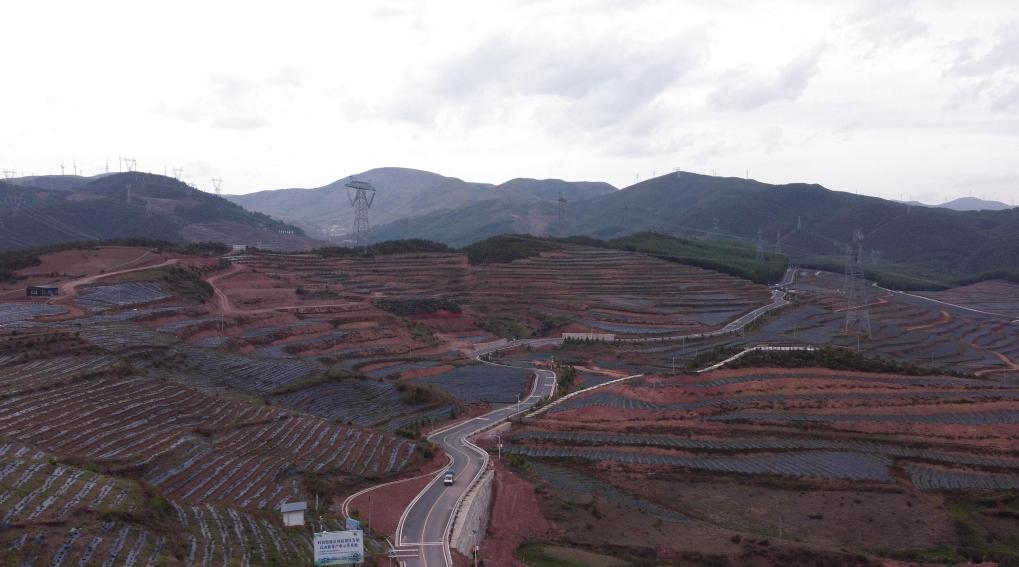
{"type": "Point", "coordinates": [885, 98]}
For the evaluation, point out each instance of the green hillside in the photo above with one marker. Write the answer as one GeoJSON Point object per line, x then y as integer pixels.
{"type": "Point", "coordinates": [158, 208]}
{"type": "Point", "coordinates": [907, 247]}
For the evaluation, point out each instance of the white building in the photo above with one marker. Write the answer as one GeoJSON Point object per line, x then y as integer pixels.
{"type": "Point", "coordinates": [293, 513]}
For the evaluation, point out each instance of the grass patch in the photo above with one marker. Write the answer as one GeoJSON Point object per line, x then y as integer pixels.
{"type": "Point", "coordinates": [506, 248]}
{"type": "Point", "coordinates": [506, 328]}
{"type": "Point", "coordinates": [836, 359]}
{"type": "Point", "coordinates": [335, 374]}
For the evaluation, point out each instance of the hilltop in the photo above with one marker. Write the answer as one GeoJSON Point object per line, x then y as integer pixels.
{"type": "Point", "coordinates": [325, 212]}
{"type": "Point", "coordinates": [48, 210]}
{"type": "Point", "coordinates": [916, 246]}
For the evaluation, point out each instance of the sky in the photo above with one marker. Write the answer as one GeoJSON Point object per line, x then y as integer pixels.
{"type": "Point", "coordinates": [887, 98]}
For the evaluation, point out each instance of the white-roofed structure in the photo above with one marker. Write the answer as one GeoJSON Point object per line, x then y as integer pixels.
{"type": "Point", "coordinates": [293, 513]}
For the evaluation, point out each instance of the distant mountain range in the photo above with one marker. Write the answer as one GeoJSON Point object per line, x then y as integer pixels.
{"type": "Point", "coordinates": [43, 210]}
{"type": "Point", "coordinates": [325, 212]}
{"type": "Point", "coordinates": [965, 204]}
{"type": "Point", "coordinates": [809, 223]}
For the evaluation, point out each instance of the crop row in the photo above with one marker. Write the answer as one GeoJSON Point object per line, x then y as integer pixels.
{"type": "Point", "coordinates": [101, 298]}
{"type": "Point", "coordinates": [928, 478]}
{"type": "Point", "coordinates": [35, 373]}
{"type": "Point", "coordinates": [16, 315]}
{"type": "Point", "coordinates": [362, 402]}
{"type": "Point", "coordinates": [566, 480]}
{"type": "Point", "coordinates": [605, 399]}
{"type": "Point", "coordinates": [481, 383]}
{"type": "Point", "coordinates": [817, 464]}
{"type": "Point", "coordinates": [992, 417]}
{"type": "Point", "coordinates": [138, 422]}
{"type": "Point", "coordinates": [244, 373]}
{"type": "Point", "coordinates": [121, 336]}
{"type": "Point", "coordinates": [866, 378]}
{"type": "Point", "coordinates": [743, 445]}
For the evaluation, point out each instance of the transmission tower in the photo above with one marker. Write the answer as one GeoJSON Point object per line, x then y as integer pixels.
{"type": "Point", "coordinates": [128, 193]}
{"type": "Point", "coordinates": [129, 163]}
{"type": "Point", "coordinates": [361, 195]}
{"type": "Point", "coordinates": [562, 214]}
{"type": "Point", "coordinates": [177, 172]}
{"type": "Point", "coordinates": [61, 168]}
{"type": "Point", "coordinates": [216, 184]}
{"type": "Point", "coordinates": [857, 300]}
{"type": "Point", "coordinates": [799, 222]}
{"type": "Point", "coordinates": [14, 202]}
{"type": "Point", "coordinates": [778, 242]}
{"type": "Point", "coordinates": [9, 174]}
{"type": "Point", "coordinates": [760, 245]}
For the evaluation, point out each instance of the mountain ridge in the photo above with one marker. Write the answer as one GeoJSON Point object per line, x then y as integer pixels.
{"type": "Point", "coordinates": [402, 193]}
{"type": "Point", "coordinates": [131, 204]}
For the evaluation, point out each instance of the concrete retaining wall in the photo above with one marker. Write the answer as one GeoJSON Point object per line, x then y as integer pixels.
{"type": "Point", "coordinates": [474, 513]}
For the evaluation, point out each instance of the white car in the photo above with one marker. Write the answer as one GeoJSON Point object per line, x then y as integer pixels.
{"type": "Point", "coordinates": [448, 479]}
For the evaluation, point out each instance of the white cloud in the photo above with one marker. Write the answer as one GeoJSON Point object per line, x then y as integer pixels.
{"type": "Point", "coordinates": [740, 92]}
{"type": "Point", "coordinates": [575, 89]}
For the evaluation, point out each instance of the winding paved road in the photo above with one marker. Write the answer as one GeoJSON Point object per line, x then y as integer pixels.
{"type": "Point", "coordinates": [422, 536]}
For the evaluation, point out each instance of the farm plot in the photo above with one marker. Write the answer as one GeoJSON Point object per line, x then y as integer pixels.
{"type": "Point", "coordinates": [402, 367]}
{"type": "Point", "coordinates": [946, 432]}
{"type": "Point", "coordinates": [562, 479]}
{"type": "Point", "coordinates": [60, 514]}
{"type": "Point", "coordinates": [482, 383]}
{"type": "Point", "coordinates": [994, 296]}
{"type": "Point", "coordinates": [18, 315]}
{"type": "Point", "coordinates": [1009, 417]}
{"type": "Point", "coordinates": [195, 447]}
{"type": "Point", "coordinates": [749, 445]}
{"type": "Point", "coordinates": [601, 284]}
{"type": "Point", "coordinates": [46, 371]}
{"type": "Point", "coordinates": [101, 298]}
{"type": "Point", "coordinates": [363, 402]}
{"type": "Point", "coordinates": [931, 478]}
{"type": "Point", "coordinates": [605, 399]}
{"type": "Point", "coordinates": [815, 464]}
{"type": "Point", "coordinates": [244, 373]}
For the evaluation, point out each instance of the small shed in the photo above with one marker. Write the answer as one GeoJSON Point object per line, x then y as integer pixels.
{"type": "Point", "coordinates": [293, 513]}
{"type": "Point", "coordinates": [47, 290]}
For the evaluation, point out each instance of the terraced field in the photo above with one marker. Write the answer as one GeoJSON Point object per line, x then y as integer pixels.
{"type": "Point", "coordinates": [58, 514]}
{"type": "Point", "coordinates": [482, 383]}
{"type": "Point", "coordinates": [615, 291]}
{"type": "Point", "coordinates": [194, 447]}
{"type": "Point", "coordinates": [964, 425]}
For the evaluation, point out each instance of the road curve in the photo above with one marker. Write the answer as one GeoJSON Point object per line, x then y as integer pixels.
{"type": "Point", "coordinates": [422, 536]}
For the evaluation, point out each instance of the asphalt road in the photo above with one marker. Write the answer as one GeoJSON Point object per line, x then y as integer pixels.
{"type": "Point", "coordinates": [421, 536]}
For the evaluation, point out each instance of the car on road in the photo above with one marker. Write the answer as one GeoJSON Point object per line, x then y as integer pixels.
{"type": "Point", "coordinates": [448, 479]}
